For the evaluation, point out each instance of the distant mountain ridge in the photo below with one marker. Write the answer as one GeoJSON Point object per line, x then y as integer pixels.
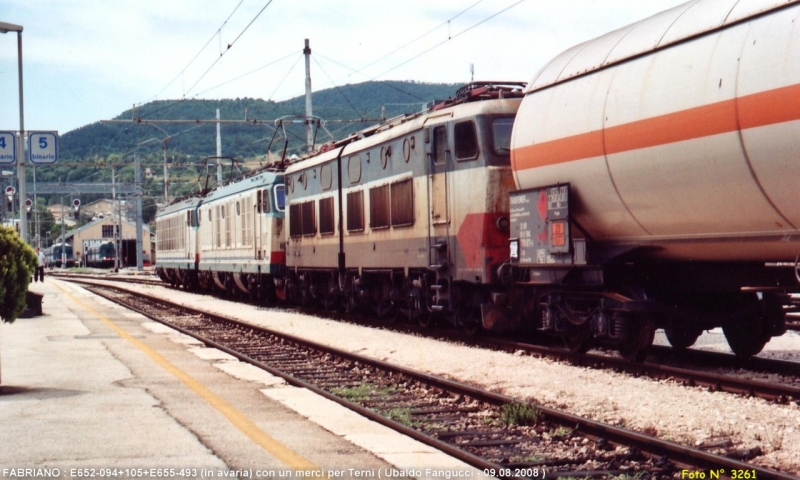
{"type": "Point", "coordinates": [239, 140]}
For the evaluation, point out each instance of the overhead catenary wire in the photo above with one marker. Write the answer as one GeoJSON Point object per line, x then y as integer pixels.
{"type": "Point", "coordinates": [201, 50]}
{"type": "Point", "coordinates": [341, 92]}
{"type": "Point", "coordinates": [447, 22]}
{"type": "Point", "coordinates": [248, 73]}
{"type": "Point", "coordinates": [448, 39]}
{"type": "Point", "coordinates": [230, 45]}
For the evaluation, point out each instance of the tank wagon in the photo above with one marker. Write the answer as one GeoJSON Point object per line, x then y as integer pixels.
{"type": "Point", "coordinates": [656, 169]}
{"type": "Point", "coordinates": [230, 239]}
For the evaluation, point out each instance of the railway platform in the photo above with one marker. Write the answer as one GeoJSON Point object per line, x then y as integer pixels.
{"type": "Point", "coordinates": [92, 390]}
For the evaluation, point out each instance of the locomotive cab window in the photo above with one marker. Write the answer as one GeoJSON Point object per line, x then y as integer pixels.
{"type": "Point", "coordinates": [501, 135]}
{"type": "Point", "coordinates": [262, 200]}
{"type": "Point", "coordinates": [280, 198]}
{"type": "Point", "coordinates": [466, 141]}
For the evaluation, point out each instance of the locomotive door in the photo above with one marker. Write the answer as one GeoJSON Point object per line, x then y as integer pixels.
{"type": "Point", "coordinates": [439, 165]}
{"type": "Point", "coordinates": [258, 227]}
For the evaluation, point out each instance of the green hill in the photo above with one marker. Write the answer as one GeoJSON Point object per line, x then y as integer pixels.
{"type": "Point", "coordinates": [350, 102]}
{"type": "Point", "coordinates": [88, 153]}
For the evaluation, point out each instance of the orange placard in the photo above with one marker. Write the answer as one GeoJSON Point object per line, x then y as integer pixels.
{"type": "Point", "coordinates": [558, 237]}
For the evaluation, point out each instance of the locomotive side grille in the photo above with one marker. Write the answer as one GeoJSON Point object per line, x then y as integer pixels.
{"type": "Point", "coordinates": [309, 219]}
{"type": "Point", "coordinates": [326, 217]}
{"type": "Point", "coordinates": [355, 211]}
{"type": "Point", "coordinates": [379, 207]}
{"type": "Point", "coordinates": [295, 220]}
{"type": "Point", "coordinates": [402, 203]}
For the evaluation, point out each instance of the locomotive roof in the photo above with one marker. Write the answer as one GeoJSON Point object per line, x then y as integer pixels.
{"type": "Point", "coordinates": [670, 27]}
{"type": "Point", "coordinates": [405, 124]}
{"type": "Point", "coordinates": [262, 179]}
{"type": "Point", "coordinates": [180, 205]}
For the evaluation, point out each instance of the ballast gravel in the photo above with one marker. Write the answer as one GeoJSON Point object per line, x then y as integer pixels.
{"type": "Point", "coordinates": [685, 415]}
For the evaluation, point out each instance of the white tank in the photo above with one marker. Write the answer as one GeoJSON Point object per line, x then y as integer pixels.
{"type": "Point", "coordinates": [681, 131]}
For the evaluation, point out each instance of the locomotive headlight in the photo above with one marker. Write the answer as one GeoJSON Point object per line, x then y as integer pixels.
{"type": "Point", "coordinates": [502, 224]}
{"type": "Point", "coordinates": [514, 249]}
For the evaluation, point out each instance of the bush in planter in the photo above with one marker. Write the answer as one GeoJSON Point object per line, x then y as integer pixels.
{"type": "Point", "coordinates": [17, 263]}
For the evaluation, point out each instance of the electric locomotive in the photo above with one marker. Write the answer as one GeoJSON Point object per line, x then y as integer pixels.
{"type": "Point", "coordinates": [100, 254]}
{"type": "Point", "coordinates": [409, 217]}
{"type": "Point", "coordinates": [229, 240]}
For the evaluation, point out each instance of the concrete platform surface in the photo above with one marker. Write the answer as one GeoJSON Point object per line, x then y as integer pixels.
{"type": "Point", "coordinates": [90, 389]}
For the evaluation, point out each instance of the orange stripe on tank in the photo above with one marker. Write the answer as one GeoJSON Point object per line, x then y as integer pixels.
{"type": "Point", "coordinates": [756, 110]}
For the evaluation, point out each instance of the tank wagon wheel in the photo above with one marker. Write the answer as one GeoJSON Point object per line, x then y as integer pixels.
{"type": "Point", "coordinates": [745, 338]}
{"type": "Point", "coordinates": [637, 337]}
{"type": "Point", "coordinates": [578, 338]}
{"type": "Point", "coordinates": [682, 337]}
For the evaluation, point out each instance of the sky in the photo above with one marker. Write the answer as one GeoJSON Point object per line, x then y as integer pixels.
{"type": "Point", "coordinates": [90, 60]}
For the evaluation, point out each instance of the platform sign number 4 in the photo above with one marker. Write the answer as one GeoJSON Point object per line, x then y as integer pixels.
{"type": "Point", "coordinates": [43, 147]}
{"type": "Point", "coordinates": [8, 148]}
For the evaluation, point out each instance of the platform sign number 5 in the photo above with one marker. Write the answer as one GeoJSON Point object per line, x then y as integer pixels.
{"type": "Point", "coordinates": [43, 147]}
{"type": "Point", "coordinates": [8, 148]}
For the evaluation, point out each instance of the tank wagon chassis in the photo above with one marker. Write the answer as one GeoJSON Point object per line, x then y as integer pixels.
{"type": "Point", "coordinates": [576, 287]}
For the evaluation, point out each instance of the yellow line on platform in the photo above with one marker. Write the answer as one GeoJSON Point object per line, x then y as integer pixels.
{"type": "Point", "coordinates": [238, 419]}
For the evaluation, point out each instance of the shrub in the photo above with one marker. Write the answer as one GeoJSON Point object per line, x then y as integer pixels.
{"type": "Point", "coordinates": [17, 263]}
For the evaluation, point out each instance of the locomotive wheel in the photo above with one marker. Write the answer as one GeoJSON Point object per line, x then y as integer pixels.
{"type": "Point", "coordinates": [385, 310]}
{"type": "Point", "coordinates": [578, 339]}
{"type": "Point", "coordinates": [745, 338]}
{"type": "Point", "coordinates": [469, 319]}
{"type": "Point", "coordinates": [682, 338]}
{"type": "Point", "coordinates": [637, 339]}
{"type": "Point", "coordinates": [331, 302]}
{"type": "Point", "coordinates": [426, 320]}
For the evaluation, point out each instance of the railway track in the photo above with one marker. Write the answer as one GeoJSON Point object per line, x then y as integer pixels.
{"type": "Point", "coordinates": [503, 436]}
{"type": "Point", "coordinates": [690, 367]}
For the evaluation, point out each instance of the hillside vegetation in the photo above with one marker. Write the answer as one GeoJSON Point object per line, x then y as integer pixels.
{"type": "Point", "coordinates": [88, 153]}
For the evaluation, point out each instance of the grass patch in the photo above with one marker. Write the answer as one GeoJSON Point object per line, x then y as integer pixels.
{"type": "Point", "coordinates": [361, 392]}
{"type": "Point", "coordinates": [402, 416]}
{"type": "Point", "coordinates": [520, 414]}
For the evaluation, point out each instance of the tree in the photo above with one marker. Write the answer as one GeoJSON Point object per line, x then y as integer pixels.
{"type": "Point", "coordinates": [17, 263]}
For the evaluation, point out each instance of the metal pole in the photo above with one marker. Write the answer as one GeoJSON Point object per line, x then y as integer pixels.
{"type": "Point", "coordinates": [23, 214]}
{"type": "Point", "coordinates": [309, 127]}
{"type": "Point", "coordinates": [114, 229]}
{"type": "Point", "coordinates": [63, 235]}
{"type": "Point", "coordinates": [166, 178]}
{"type": "Point", "coordinates": [36, 211]}
{"type": "Point", "coordinates": [137, 178]}
{"type": "Point", "coordinates": [219, 152]}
